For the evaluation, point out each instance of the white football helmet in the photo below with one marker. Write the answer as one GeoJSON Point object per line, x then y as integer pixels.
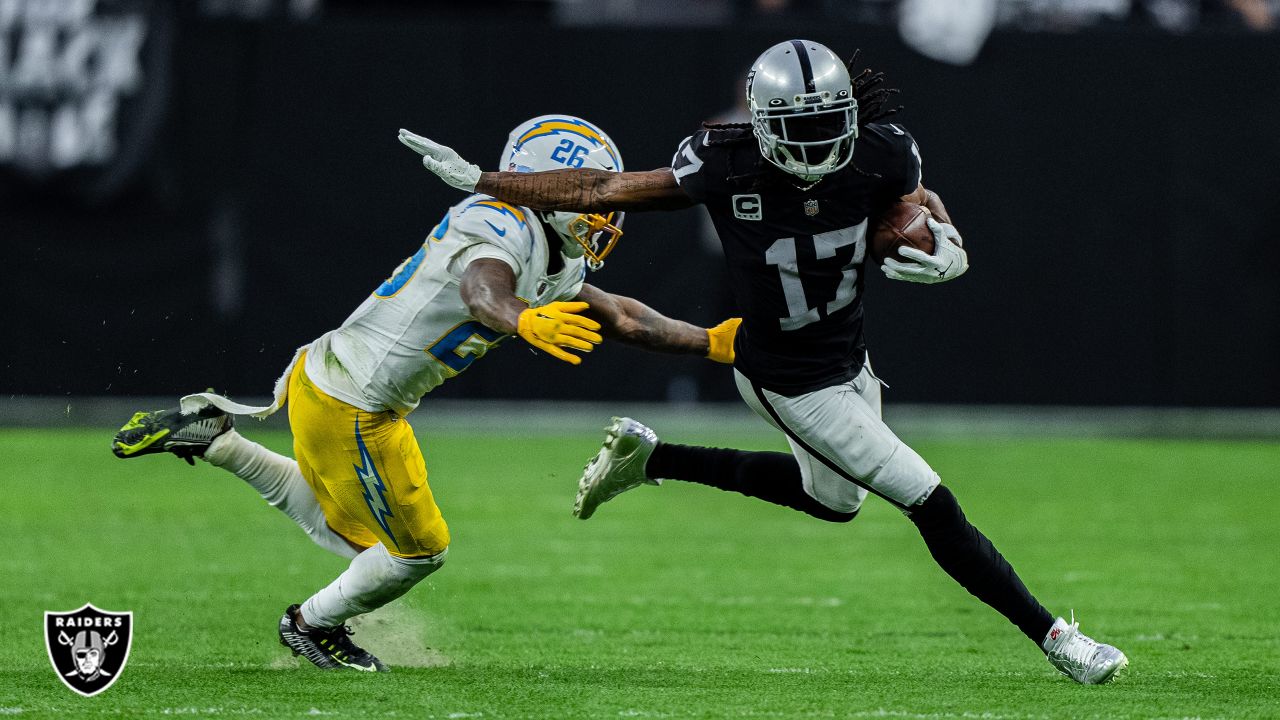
{"type": "Point", "coordinates": [555, 142]}
{"type": "Point", "coordinates": [803, 111]}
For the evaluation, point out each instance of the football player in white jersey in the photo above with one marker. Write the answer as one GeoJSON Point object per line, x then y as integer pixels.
{"type": "Point", "coordinates": [358, 483]}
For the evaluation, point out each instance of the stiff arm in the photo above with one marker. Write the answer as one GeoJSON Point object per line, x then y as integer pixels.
{"type": "Point", "coordinates": [575, 190]}
{"type": "Point", "coordinates": [587, 190]}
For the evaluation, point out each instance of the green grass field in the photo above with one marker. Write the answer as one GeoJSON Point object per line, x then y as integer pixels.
{"type": "Point", "coordinates": [673, 602]}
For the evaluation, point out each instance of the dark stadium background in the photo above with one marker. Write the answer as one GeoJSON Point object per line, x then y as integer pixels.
{"type": "Point", "coordinates": [190, 189]}
{"type": "Point", "coordinates": [1116, 187]}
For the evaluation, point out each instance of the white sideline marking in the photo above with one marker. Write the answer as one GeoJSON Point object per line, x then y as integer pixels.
{"type": "Point", "coordinates": [967, 714]}
{"type": "Point", "coordinates": [828, 602]}
{"type": "Point", "coordinates": [878, 713]}
{"type": "Point", "coordinates": [208, 711]}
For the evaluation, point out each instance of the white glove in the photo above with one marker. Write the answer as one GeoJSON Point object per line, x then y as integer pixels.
{"type": "Point", "coordinates": [948, 261]}
{"type": "Point", "coordinates": [443, 161]}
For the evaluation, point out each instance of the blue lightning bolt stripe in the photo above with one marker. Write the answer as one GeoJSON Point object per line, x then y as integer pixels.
{"type": "Point", "coordinates": [555, 126]}
{"type": "Point", "coordinates": [374, 489]}
{"type": "Point", "coordinates": [506, 209]}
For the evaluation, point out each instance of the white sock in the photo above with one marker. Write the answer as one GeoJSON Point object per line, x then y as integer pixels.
{"type": "Point", "coordinates": [279, 482]}
{"type": "Point", "coordinates": [375, 578]}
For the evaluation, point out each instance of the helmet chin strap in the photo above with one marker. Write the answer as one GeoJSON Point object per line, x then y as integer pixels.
{"type": "Point", "coordinates": [798, 178]}
{"type": "Point", "coordinates": [568, 245]}
{"type": "Point", "coordinates": [812, 180]}
{"type": "Point", "coordinates": [770, 154]}
{"type": "Point", "coordinates": [573, 250]}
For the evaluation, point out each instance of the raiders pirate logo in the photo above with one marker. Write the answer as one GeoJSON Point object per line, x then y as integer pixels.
{"type": "Point", "coordinates": [88, 647]}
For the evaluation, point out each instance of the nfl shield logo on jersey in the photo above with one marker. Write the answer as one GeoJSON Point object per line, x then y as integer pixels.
{"type": "Point", "coordinates": [88, 647]}
{"type": "Point", "coordinates": [810, 207]}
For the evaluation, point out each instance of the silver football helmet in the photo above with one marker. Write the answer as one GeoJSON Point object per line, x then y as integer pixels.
{"type": "Point", "coordinates": [555, 142]}
{"type": "Point", "coordinates": [803, 111]}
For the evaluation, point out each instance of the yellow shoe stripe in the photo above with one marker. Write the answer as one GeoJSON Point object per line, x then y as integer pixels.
{"type": "Point", "coordinates": [135, 421]}
{"type": "Point", "coordinates": [142, 444]}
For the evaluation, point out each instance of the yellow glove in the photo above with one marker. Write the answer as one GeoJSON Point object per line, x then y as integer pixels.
{"type": "Point", "coordinates": [556, 325]}
{"type": "Point", "coordinates": [720, 339]}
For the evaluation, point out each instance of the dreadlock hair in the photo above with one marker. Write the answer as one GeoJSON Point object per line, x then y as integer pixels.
{"type": "Point", "coordinates": [867, 90]}
{"type": "Point", "coordinates": [871, 97]}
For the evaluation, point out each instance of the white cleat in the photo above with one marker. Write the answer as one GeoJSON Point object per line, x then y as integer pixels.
{"type": "Point", "coordinates": [618, 467]}
{"type": "Point", "coordinates": [1079, 656]}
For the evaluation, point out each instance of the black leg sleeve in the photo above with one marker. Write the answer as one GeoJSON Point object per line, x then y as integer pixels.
{"type": "Point", "coordinates": [971, 560]}
{"type": "Point", "coordinates": [770, 476]}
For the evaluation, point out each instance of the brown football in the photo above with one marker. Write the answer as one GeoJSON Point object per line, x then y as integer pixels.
{"type": "Point", "coordinates": [902, 223]}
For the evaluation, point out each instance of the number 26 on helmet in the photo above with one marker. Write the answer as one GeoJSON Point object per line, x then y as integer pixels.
{"type": "Point", "coordinates": [555, 142]}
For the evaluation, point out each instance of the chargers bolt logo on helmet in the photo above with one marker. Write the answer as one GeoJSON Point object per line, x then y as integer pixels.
{"type": "Point", "coordinates": [803, 111]}
{"type": "Point", "coordinates": [555, 142]}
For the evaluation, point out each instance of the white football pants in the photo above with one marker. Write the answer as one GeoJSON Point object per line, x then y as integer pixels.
{"type": "Point", "coordinates": [844, 449]}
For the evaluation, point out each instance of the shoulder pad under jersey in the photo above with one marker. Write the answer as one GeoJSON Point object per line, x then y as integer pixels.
{"type": "Point", "coordinates": [887, 149]}
{"type": "Point", "coordinates": [493, 221]}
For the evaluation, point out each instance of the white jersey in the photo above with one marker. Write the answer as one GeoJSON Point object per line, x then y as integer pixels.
{"type": "Point", "coordinates": [414, 332]}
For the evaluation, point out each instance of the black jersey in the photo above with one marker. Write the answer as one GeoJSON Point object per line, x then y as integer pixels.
{"type": "Point", "coordinates": [796, 256]}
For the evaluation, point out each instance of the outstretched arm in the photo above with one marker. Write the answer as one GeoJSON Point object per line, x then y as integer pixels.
{"type": "Point", "coordinates": [587, 190]}
{"type": "Point", "coordinates": [584, 190]}
{"type": "Point", "coordinates": [632, 322]}
{"type": "Point", "coordinates": [488, 289]}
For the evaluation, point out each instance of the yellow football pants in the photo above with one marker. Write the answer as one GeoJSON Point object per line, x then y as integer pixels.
{"type": "Point", "coordinates": [366, 470]}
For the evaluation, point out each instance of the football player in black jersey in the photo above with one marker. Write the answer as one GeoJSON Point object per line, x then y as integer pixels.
{"type": "Point", "coordinates": [792, 195]}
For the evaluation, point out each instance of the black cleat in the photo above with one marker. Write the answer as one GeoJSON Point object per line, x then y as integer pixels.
{"type": "Point", "coordinates": [186, 435]}
{"type": "Point", "coordinates": [327, 648]}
